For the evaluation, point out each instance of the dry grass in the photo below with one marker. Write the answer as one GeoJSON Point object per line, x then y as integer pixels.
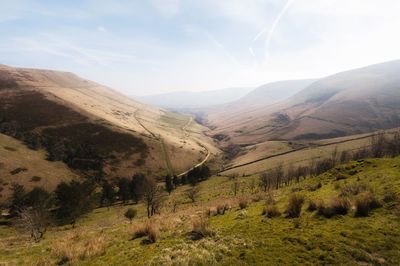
{"type": "Point", "coordinates": [294, 206]}
{"type": "Point", "coordinates": [200, 227]}
{"type": "Point", "coordinates": [77, 246]}
{"type": "Point", "coordinates": [243, 202]}
{"type": "Point", "coordinates": [271, 211]}
{"type": "Point", "coordinates": [365, 203]}
{"type": "Point", "coordinates": [149, 229]}
{"type": "Point", "coordinates": [337, 206]}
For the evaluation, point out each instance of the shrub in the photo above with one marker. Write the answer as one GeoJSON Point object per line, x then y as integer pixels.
{"type": "Point", "coordinates": [222, 208]}
{"type": "Point", "coordinates": [243, 203]}
{"type": "Point", "coordinates": [149, 229]}
{"type": "Point", "coordinates": [36, 178]}
{"type": "Point", "coordinates": [314, 187]}
{"type": "Point", "coordinates": [130, 214]}
{"type": "Point", "coordinates": [271, 211]}
{"type": "Point", "coordinates": [337, 206]}
{"type": "Point", "coordinates": [200, 228]}
{"type": "Point", "coordinates": [390, 196]}
{"type": "Point", "coordinates": [365, 203]}
{"type": "Point", "coordinates": [312, 206]}
{"type": "Point", "coordinates": [295, 204]}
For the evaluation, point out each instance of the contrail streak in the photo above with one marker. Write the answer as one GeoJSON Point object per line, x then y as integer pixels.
{"type": "Point", "coordinates": [274, 25]}
{"type": "Point", "coordinates": [271, 31]}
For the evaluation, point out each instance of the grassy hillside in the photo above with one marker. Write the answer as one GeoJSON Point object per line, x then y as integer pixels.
{"type": "Point", "coordinates": [241, 236]}
{"type": "Point", "coordinates": [28, 167]}
{"type": "Point", "coordinates": [93, 128]}
{"type": "Point", "coordinates": [352, 102]}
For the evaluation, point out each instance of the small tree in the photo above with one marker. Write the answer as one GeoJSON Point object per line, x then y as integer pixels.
{"type": "Point", "coordinates": [169, 186]}
{"type": "Point", "coordinates": [130, 214]}
{"type": "Point", "coordinates": [35, 221]}
{"type": "Point", "coordinates": [175, 180]}
{"type": "Point", "coordinates": [235, 187]}
{"type": "Point", "coordinates": [264, 181]}
{"type": "Point", "coordinates": [153, 196]}
{"type": "Point", "coordinates": [74, 199]}
{"type": "Point", "coordinates": [34, 215]}
{"type": "Point", "coordinates": [124, 191]}
{"type": "Point", "coordinates": [17, 198]}
{"type": "Point", "coordinates": [107, 194]}
{"type": "Point", "coordinates": [192, 193]}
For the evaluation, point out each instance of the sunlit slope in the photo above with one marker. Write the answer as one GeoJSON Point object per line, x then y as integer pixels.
{"type": "Point", "coordinates": [28, 167]}
{"type": "Point", "coordinates": [352, 102]}
{"type": "Point", "coordinates": [133, 136]}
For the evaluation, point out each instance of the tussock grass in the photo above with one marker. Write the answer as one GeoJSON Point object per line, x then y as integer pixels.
{"type": "Point", "coordinates": [149, 229]}
{"type": "Point", "coordinates": [77, 246]}
{"type": "Point", "coordinates": [293, 209]}
{"type": "Point", "coordinates": [365, 203]}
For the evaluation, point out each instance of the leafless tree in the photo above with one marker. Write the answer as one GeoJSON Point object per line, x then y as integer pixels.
{"type": "Point", "coordinates": [265, 181]}
{"type": "Point", "coordinates": [193, 193]}
{"type": "Point", "coordinates": [153, 196]}
{"type": "Point", "coordinates": [35, 221]}
{"type": "Point", "coordinates": [235, 187]}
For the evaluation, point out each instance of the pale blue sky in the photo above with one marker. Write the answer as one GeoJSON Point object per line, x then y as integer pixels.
{"type": "Point", "coordinates": [143, 47]}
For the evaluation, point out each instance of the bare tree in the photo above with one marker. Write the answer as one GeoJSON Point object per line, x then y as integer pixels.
{"type": "Point", "coordinates": [265, 181]}
{"type": "Point", "coordinates": [193, 193]}
{"type": "Point", "coordinates": [35, 221]}
{"type": "Point", "coordinates": [278, 174]}
{"type": "Point", "coordinates": [153, 196]}
{"type": "Point", "coordinates": [378, 145]}
{"type": "Point", "coordinates": [252, 185]}
{"type": "Point", "coordinates": [235, 187]}
{"type": "Point", "coordinates": [334, 156]}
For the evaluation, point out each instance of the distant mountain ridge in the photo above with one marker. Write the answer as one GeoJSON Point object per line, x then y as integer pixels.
{"type": "Point", "coordinates": [351, 102]}
{"type": "Point", "coordinates": [194, 99]}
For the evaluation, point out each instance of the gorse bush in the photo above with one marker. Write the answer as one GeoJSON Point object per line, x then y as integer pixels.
{"type": "Point", "coordinates": [295, 204]}
{"type": "Point", "coordinates": [130, 214]}
{"type": "Point", "coordinates": [365, 203]}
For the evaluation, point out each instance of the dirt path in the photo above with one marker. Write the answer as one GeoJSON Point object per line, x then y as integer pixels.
{"type": "Point", "coordinates": [186, 133]}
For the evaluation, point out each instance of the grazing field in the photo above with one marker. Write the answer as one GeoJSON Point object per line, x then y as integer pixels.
{"type": "Point", "coordinates": [261, 157]}
{"type": "Point", "coordinates": [241, 234]}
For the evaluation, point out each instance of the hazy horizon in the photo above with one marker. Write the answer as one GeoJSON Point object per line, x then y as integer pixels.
{"type": "Point", "coordinates": [152, 47]}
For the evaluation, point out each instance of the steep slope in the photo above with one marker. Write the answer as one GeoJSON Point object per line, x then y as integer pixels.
{"type": "Point", "coordinates": [189, 99]}
{"type": "Point", "coordinates": [352, 102]}
{"type": "Point", "coordinates": [93, 128]}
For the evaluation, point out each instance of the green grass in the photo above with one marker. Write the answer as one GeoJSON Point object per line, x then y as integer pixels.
{"type": "Point", "coordinates": [243, 237]}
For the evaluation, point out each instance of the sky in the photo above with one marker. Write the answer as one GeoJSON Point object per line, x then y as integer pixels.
{"type": "Point", "coordinates": [143, 47]}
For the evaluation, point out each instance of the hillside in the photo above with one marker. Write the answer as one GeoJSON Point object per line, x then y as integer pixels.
{"type": "Point", "coordinates": [95, 129]}
{"type": "Point", "coordinates": [240, 235]}
{"type": "Point", "coordinates": [352, 102]}
{"type": "Point", "coordinates": [28, 167]}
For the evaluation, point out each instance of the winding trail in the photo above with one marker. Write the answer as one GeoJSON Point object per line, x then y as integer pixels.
{"type": "Point", "coordinates": [186, 133]}
{"type": "Point", "coordinates": [164, 147]}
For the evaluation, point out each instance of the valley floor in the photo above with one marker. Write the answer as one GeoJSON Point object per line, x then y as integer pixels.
{"type": "Point", "coordinates": [240, 236]}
